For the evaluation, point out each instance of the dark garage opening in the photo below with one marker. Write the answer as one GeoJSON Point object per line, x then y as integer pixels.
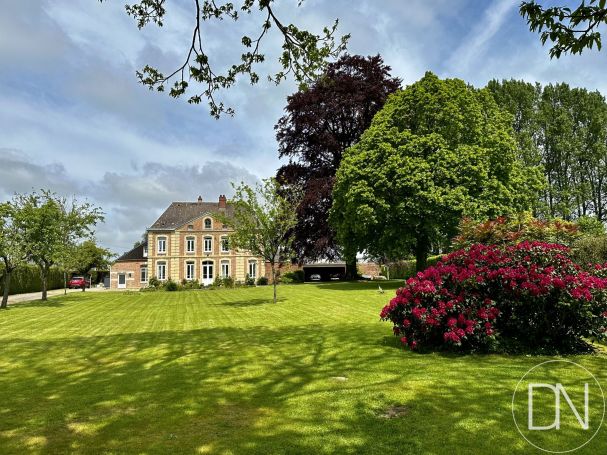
{"type": "Point", "coordinates": [327, 272]}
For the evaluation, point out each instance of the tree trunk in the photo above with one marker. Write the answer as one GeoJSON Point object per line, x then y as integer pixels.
{"type": "Point", "coordinates": [274, 281]}
{"type": "Point", "coordinates": [44, 279]}
{"type": "Point", "coordinates": [7, 284]}
{"type": "Point", "coordinates": [64, 283]}
{"type": "Point", "coordinates": [351, 273]}
{"type": "Point", "coordinates": [422, 246]}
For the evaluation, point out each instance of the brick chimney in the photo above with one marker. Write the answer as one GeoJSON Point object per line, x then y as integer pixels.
{"type": "Point", "coordinates": [222, 201]}
{"type": "Point", "coordinates": [199, 198]}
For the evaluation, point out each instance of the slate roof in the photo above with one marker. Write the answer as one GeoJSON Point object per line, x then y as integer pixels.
{"type": "Point", "coordinates": [180, 213]}
{"type": "Point", "coordinates": [136, 254]}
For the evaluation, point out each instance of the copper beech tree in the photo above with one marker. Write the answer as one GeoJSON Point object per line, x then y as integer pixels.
{"type": "Point", "coordinates": [320, 123]}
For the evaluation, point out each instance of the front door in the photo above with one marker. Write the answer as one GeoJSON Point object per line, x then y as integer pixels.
{"type": "Point", "coordinates": [121, 280]}
{"type": "Point", "coordinates": [207, 272]}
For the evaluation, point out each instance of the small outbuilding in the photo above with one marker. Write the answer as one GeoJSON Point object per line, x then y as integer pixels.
{"type": "Point", "coordinates": [328, 271]}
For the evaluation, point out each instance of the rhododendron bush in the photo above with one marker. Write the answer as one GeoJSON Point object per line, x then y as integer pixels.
{"type": "Point", "coordinates": [531, 296]}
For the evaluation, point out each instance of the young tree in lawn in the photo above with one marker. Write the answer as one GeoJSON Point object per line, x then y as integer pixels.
{"type": "Point", "coordinates": [12, 249]}
{"type": "Point", "coordinates": [51, 225]}
{"type": "Point", "coordinates": [263, 219]}
{"type": "Point", "coordinates": [320, 123]}
{"type": "Point", "coordinates": [437, 151]}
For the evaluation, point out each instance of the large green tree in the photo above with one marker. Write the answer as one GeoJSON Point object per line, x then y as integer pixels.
{"type": "Point", "coordinates": [263, 219]}
{"type": "Point", "coordinates": [51, 225]}
{"type": "Point", "coordinates": [437, 151]}
{"type": "Point", "coordinates": [304, 54]}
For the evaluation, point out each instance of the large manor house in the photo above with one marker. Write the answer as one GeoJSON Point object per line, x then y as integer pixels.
{"type": "Point", "coordinates": [188, 243]}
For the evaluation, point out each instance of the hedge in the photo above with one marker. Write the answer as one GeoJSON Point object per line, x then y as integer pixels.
{"type": "Point", "coordinates": [405, 269]}
{"type": "Point", "coordinates": [27, 279]}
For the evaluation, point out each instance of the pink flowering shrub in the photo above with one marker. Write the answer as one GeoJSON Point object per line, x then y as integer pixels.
{"type": "Point", "coordinates": [530, 296]}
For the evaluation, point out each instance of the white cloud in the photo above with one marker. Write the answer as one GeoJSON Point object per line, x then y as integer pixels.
{"type": "Point", "coordinates": [132, 199]}
{"type": "Point", "coordinates": [471, 50]}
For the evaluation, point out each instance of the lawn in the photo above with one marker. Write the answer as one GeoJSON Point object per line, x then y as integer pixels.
{"type": "Point", "coordinates": [229, 372]}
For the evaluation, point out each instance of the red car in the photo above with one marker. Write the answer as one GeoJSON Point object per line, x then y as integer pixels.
{"type": "Point", "coordinates": [78, 282]}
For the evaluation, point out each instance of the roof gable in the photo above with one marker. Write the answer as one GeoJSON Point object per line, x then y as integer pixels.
{"type": "Point", "coordinates": [181, 213]}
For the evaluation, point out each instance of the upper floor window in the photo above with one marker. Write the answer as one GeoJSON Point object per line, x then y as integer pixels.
{"type": "Point", "coordinates": [225, 246]}
{"type": "Point", "coordinates": [162, 245]}
{"type": "Point", "coordinates": [145, 251]}
{"type": "Point", "coordinates": [208, 224]}
{"type": "Point", "coordinates": [208, 244]}
{"type": "Point", "coordinates": [189, 244]}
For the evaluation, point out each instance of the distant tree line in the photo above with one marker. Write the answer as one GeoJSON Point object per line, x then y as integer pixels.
{"type": "Point", "coordinates": [564, 130]}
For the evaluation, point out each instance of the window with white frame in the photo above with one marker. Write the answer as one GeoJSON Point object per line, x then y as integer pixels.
{"type": "Point", "coordinates": [208, 244]}
{"type": "Point", "coordinates": [225, 268]}
{"type": "Point", "coordinates": [253, 269]}
{"type": "Point", "coordinates": [225, 246]}
{"type": "Point", "coordinates": [190, 244]}
{"type": "Point", "coordinates": [161, 270]}
{"type": "Point", "coordinates": [143, 274]}
{"type": "Point", "coordinates": [189, 270]}
{"type": "Point", "coordinates": [162, 245]}
{"type": "Point", "coordinates": [145, 251]}
{"type": "Point", "coordinates": [207, 270]}
{"type": "Point", "coordinates": [208, 224]}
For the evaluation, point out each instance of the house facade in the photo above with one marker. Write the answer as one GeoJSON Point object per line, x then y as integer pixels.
{"type": "Point", "coordinates": [187, 242]}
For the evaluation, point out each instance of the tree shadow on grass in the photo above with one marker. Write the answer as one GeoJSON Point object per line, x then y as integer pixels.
{"type": "Point", "coordinates": [248, 302]}
{"type": "Point", "coordinates": [259, 390]}
{"type": "Point", "coordinates": [390, 285]}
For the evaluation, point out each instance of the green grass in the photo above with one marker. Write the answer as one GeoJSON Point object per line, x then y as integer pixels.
{"type": "Point", "coordinates": [229, 372]}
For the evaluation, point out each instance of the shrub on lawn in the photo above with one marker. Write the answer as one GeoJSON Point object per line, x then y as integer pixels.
{"type": "Point", "coordinates": [170, 285]}
{"type": "Point", "coordinates": [227, 282]}
{"type": "Point", "coordinates": [590, 250]}
{"type": "Point", "coordinates": [295, 276]}
{"type": "Point", "coordinates": [262, 281]}
{"type": "Point", "coordinates": [518, 228]}
{"type": "Point", "coordinates": [249, 281]}
{"type": "Point", "coordinates": [529, 297]}
{"type": "Point", "coordinates": [154, 283]}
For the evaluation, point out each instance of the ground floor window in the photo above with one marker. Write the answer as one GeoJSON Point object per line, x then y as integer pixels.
{"type": "Point", "coordinates": [225, 269]}
{"type": "Point", "coordinates": [253, 269]}
{"type": "Point", "coordinates": [143, 273]}
{"type": "Point", "coordinates": [189, 270]}
{"type": "Point", "coordinates": [161, 271]}
{"type": "Point", "coordinates": [207, 270]}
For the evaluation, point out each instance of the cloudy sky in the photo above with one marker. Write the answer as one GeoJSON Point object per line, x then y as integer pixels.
{"type": "Point", "coordinates": [74, 119]}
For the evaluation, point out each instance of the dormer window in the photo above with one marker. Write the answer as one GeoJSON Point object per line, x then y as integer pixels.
{"type": "Point", "coordinates": [145, 251]}
{"type": "Point", "coordinates": [208, 224]}
{"type": "Point", "coordinates": [190, 227]}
